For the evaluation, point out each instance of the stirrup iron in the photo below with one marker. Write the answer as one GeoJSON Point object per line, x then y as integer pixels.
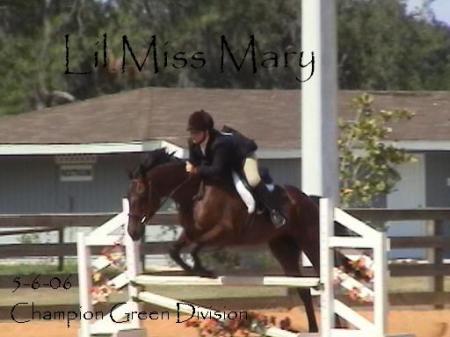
{"type": "Point", "coordinates": [277, 218]}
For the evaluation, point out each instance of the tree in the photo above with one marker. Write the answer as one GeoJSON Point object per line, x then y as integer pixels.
{"type": "Point", "coordinates": [367, 164]}
{"type": "Point", "coordinates": [31, 62]}
{"type": "Point", "coordinates": [381, 46]}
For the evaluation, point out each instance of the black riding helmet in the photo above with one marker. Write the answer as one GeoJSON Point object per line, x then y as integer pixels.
{"type": "Point", "coordinates": [200, 121]}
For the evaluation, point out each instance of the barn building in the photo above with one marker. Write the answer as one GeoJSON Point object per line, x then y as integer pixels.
{"type": "Point", "coordinates": [75, 157]}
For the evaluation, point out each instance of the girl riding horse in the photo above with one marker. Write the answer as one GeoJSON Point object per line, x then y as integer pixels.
{"type": "Point", "coordinates": [215, 155]}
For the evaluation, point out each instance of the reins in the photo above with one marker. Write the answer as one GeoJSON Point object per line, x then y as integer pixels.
{"type": "Point", "coordinates": [175, 190]}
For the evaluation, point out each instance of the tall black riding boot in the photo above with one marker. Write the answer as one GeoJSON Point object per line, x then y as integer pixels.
{"type": "Point", "coordinates": [271, 203]}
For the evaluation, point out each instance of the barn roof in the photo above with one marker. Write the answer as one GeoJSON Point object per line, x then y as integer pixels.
{"type": "Point", "coordinates": [269, 116]}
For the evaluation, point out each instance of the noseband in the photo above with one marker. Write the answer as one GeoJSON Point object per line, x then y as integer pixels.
{"type": "Point", "coordinates": [135, 216]}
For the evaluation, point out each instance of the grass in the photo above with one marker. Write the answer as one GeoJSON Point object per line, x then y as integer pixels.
{"type": "Point", "coordinates": [27, 269]}
{"type": "Point", "coordinates": [414, 284]}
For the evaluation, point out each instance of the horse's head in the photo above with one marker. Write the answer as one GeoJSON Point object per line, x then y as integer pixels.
{"type": "Point", "coordinates": [143, 196]}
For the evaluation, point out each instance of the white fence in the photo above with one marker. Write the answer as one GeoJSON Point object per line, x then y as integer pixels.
{"type": "Point", "coordinates": [367, 238]}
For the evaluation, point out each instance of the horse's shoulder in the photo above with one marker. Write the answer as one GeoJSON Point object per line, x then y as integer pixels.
{"type": "Point", "coordinates": [220, 188]}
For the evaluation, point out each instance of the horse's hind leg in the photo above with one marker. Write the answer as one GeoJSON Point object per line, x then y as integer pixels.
{"type": "Point", "coordinates": [312, 251]}
{"type": "Point", "coordinates": [287, 252]}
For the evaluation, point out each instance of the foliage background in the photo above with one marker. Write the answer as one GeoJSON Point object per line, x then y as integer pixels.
{"type": "Point", "coordinates": [381, 45]}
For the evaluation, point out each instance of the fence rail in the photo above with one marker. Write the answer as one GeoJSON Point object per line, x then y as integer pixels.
{"type": "Point", "coordinates": [435, 242]}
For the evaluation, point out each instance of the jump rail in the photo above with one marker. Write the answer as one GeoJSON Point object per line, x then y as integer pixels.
{"type": "Point", "coordinates": [274, 281]}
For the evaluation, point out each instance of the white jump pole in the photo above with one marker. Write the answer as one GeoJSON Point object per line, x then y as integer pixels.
{"type": "Point", "coordinates": [229, 281]}
{"type": "Point", "coordinates": [84, 282]}
{"type": "Point", "coordinates": [133, 264]}
{"type": "Point", "coordinates": [326, 267]}
{"type": "Point", "coordinates": [319, 104]}
{"type": "Point", "coordinates": [319, 133]}
{"type": "Point", "coordinates": [381, 303]}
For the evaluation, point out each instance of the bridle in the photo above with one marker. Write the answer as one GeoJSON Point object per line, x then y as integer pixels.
{"type": "Point", "coordinates": [143, 218]}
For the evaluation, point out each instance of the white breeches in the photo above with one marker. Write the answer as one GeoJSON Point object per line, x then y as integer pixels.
{"type": "Point", "coordinates": [245, 194]}
{"type": "Point", "coordinates": [251, 170]}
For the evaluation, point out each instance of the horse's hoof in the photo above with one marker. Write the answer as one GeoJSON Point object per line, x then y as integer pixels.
{"type": "Point", "coordinates": [206, 273]}
{"type": "Point", "coordinates": [174, 255]}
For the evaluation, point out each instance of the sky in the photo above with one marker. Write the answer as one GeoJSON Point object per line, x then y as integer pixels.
{"type": "Point", "coordinates": [441, 8]}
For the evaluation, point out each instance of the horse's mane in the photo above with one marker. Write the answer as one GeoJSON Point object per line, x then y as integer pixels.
{"type": "Point", "coordinates": [153, 159]}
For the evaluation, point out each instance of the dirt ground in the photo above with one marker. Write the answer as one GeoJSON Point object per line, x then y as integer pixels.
{"type": "Point", "coordinates": [421, 323]}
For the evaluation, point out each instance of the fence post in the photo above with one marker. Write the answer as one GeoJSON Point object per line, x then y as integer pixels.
{"type": "Point", "coordinates": [61, 257]}
{"type": "Point", "coordinates": [438, 286]}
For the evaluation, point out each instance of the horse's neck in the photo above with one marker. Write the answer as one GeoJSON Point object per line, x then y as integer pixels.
{"type": "Point", "coordinates": [170, 177]}
{"type": "Point", "coordinates": [178, 185]}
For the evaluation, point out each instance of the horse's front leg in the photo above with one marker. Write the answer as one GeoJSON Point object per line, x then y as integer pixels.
{"type": "Point", "coordinates": [213, 237]}
{"type": "Point", "coordinates": [174, 252]}
{"type": "Point", "coordinates": [198, 265]}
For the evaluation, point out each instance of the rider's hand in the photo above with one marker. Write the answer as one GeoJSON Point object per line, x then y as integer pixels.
{"type": "Point", "coordinates": [191, 168]}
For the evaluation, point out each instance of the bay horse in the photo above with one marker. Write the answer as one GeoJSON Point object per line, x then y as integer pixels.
{"type": "Point", "coordinates": [220, 218]}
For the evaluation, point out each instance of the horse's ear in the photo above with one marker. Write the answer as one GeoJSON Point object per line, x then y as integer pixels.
{"type": "Point", "coordinates": [142, 171]}
{"type": "Point", "coordinates": [130, 174]}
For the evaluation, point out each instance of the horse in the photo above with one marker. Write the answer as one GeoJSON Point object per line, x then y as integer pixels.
{"type": "Point", "coordinates": [219, 218]}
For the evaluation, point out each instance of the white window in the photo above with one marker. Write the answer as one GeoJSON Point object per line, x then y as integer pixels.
{"type": "Point", "coordinates": [76, 167]}
{"type": "Point", "coordinates": [81, 172]}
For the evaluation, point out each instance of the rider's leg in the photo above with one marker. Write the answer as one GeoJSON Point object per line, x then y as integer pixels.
{"type": "Point", "coordinates": [251, 171]}
{"type": "Point", "coordinates": [244, 193]}
{"type": "Point", "coordinates": [251, 174]}
{"type": "Point", "coordinates": [262, 193]}
{"type": "Point", "coordinates": [272, 203]}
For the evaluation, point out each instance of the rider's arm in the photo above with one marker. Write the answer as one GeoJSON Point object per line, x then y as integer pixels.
{"type": "Point", "coordinates": [194, 154]}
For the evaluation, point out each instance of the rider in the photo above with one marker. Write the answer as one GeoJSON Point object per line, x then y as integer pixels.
{"type": "Point", "coordinates": [214, 154]}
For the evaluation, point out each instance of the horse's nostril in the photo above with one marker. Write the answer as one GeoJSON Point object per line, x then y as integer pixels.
{"type": "Point", "coordinates": [134, 235]}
